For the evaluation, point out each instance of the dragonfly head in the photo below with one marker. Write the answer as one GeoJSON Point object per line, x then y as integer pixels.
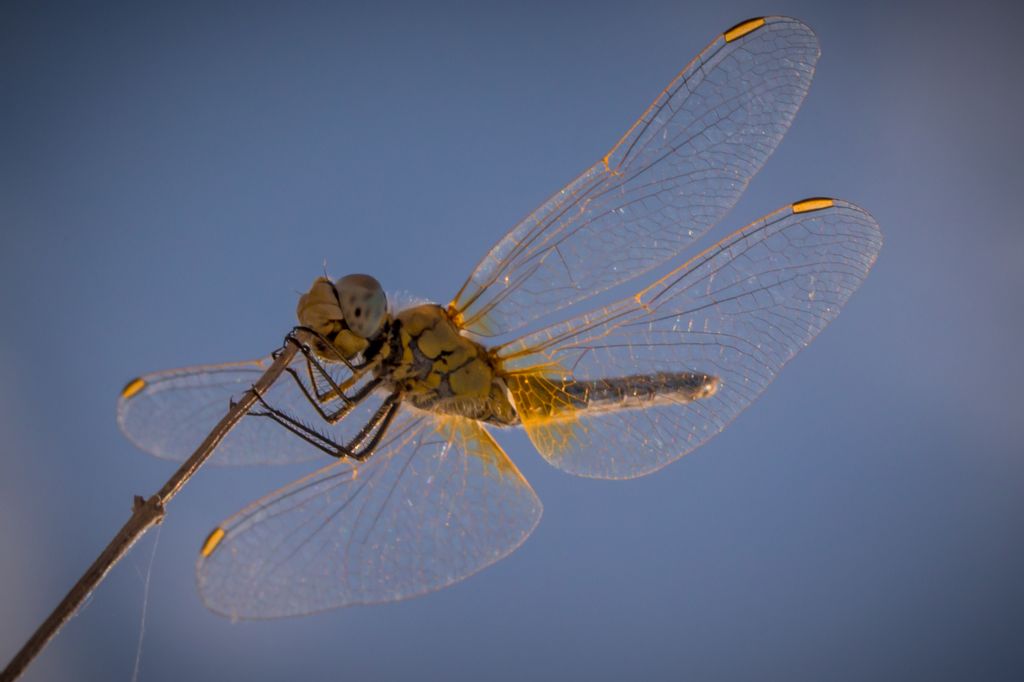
{"type": "Point", "coordinates": [350, 312]}
{"type": "Point", "coordinates": [363, 304]}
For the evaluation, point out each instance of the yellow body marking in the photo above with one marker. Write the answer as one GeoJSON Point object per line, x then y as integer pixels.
{"type": "Point", "coordinates": [539, 398]}
{"type": "Point", "coordinates": [546, 411]}
{"type": "Point", "coordinates": [349, 344]}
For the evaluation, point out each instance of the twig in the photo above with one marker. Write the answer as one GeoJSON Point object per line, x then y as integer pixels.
{"type": "Point", "coordinates": [146, 514]}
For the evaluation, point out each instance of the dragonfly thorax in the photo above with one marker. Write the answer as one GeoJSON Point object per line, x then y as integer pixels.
{"type": "Point", "coordinates": [437, 368]}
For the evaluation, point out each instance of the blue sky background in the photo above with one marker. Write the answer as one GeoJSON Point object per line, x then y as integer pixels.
{"type": "Point", "coordinates": [171, 177]}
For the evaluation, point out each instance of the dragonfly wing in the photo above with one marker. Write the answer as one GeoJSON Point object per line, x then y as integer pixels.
{"type": "Point", "coordinates": [679, 361]}
{"type": "Point", "coordinates": [675, 173]}
{"type": "Point", "coordinates": [169, 413]}
{"type": "Point", "coordinates": [438, 501]}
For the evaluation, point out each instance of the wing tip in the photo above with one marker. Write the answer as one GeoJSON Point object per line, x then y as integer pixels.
{"type": "Point", "coordinates": [812, 204]}
{"type": "Point", "coordinates": [871, 230]}
{"type": "Point", "coordinates": [211, 542]}
{"type": "Point", "coordinates": [132, 388]}
{"type": "Point", "coordinates": [743, 28]}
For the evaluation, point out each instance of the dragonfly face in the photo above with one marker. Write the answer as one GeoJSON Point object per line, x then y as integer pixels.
{"type": "Point", "coordinates": [419, 495]}
{"type": "Point", "coordinates": [347, 315]}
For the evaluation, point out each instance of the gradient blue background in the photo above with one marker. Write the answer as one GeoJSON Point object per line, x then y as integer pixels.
{"type": "Point", "coordinates": [171, 178]}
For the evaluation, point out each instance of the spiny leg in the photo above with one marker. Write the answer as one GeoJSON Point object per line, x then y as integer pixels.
{"type": "Point", "coordinates": [383, 416]}
{"type": "Point", "coordinates": [349, 402]}
{"type": "Point", "coordinates": [293, 338]}
{"type": "Point", "coordinates": [328, 347]}
{"type": "Point", "coordinates": [314, 397]}
{"type": "Point", "coordinates": [336, 391]}
{"type": "Point", "coordinates": [377, 426]}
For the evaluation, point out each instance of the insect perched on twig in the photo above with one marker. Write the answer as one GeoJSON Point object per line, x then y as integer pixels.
{"type": "Point", "coordinates": [416, 494]}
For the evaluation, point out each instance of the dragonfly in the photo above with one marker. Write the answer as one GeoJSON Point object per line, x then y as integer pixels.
{"type": "Point", "coordinates": [399, 404]}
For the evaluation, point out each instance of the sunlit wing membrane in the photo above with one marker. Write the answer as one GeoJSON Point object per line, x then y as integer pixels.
{"type": "Point", "coordinates": [622, 391]}
{"type": "Point", "coordinates": [169, 413]}
{"type": "Point", "coordinates": [436, 503]}
{"type": "Point", "coordinates": [674, 174]}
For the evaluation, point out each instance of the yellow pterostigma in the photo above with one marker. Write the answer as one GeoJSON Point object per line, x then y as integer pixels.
{"type": "Point", "coordinates": [399, 404]}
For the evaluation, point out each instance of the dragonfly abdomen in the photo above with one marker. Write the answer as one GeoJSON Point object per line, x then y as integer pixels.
{"type": "Point", "coordinates": [540, 398]}
{"type": "Point", "coordinates": [640, 391]}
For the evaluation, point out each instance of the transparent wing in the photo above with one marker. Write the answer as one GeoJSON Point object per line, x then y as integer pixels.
{"type": "Point", "coordinates": [623, 391]}
{"type": "Point", "coordinates": [169, 413]}
{"type": "Point", "coordinates": [674, 174]}
{"type": "Point", "coordinates": [437, 502]}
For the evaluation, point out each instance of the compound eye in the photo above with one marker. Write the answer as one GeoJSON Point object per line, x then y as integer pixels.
{"type": "Point", "coordinates": [363, 304]}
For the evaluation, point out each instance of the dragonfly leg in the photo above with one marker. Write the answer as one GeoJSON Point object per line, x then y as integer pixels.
{"type": "Point", "coordinates": [317, 400]}
{"type": "Point", "coordinates": [358, 448]}
{"type": "Point", "coordinates": [293, 338]}
{"type": "Point", "coordinates": [314, 367]}
{"type": "Point", "coordinates": [335, 390]}
{"type": "Point", "coordinates": [383, 416]}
